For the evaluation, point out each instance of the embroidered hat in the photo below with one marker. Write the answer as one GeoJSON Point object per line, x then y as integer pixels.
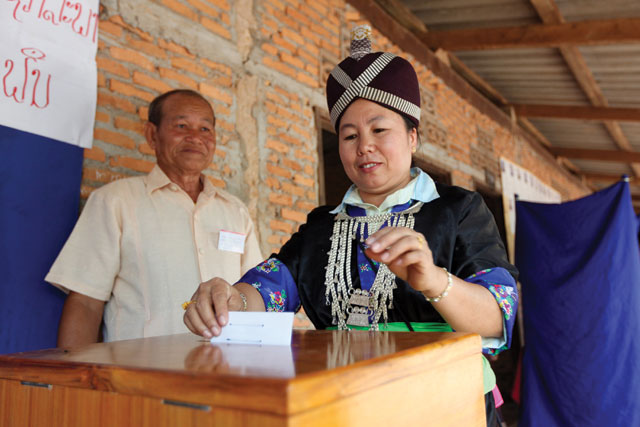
{"type": "Point", "coordinates": [381, 77]}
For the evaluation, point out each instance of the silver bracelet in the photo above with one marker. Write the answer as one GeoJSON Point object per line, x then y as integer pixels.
{"type": "Point", "coordinates": [243, 297]}
{"type": "Point", "coordinates": [446, 290]}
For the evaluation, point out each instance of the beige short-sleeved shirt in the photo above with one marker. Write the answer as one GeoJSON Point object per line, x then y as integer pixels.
{"type": "Point", "coordinates": [143, 246]}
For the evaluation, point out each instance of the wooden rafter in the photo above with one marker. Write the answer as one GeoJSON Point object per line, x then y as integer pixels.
{"type": "Point", "coordinates": [550, 14]}
{"type": "Point", "coordinates": [578, 112]}
{"type": "Point", "coordinates": [602, 155]}
{"type": "Point", "coordinates": [583, 33]}
{"type": "Point", "coordinates": [608, 178]}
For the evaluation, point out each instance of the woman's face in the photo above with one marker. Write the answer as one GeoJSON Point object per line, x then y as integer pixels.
{"type": "Point", "coordinates": [375, 149]}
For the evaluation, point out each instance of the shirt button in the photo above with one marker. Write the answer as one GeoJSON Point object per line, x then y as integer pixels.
{"type": "Point", "coordinates": [201, 251]}
{"type": "Point", "coordinates": [173, 187]}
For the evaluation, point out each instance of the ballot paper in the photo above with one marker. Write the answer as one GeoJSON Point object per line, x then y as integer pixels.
{"type": "Point", "coordinates": [257, 328]}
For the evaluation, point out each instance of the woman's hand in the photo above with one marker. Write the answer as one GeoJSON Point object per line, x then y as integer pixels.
{"type": "Point", "coordinates": [209, 309]}
{"type": "Point", "coordinates": [407, 254]}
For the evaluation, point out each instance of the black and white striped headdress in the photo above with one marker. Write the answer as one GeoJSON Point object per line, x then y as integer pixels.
{"type": "Point", "coordinates": [381, 77]}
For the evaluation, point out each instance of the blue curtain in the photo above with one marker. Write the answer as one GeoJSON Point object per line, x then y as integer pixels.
{"type": "Point", "coordinates": [39, 198]}
{"type": "Point", "coordinates": [580, 273]}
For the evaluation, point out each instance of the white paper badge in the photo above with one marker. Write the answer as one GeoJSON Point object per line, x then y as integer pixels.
{"type": "Point", "coordinates": [231, 241]}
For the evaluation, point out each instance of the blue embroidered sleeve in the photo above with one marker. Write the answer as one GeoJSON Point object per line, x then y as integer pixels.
{"type": "Point", "coordinates": [503, 288]}
{"type": "Point", "coordinates": [276, 285]}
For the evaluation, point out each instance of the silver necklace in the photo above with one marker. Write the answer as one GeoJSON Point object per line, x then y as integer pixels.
{"type": "Point", "coordinates": [351, 306]}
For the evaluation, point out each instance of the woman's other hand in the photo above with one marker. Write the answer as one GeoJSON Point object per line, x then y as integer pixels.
{"type": "Point", "coordinates": [208, 311]}
{"type": "Point", "coordinates": [407, 254]}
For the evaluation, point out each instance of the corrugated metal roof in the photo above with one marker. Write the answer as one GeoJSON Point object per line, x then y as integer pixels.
{"type": "Point", "coordinates": [600, 75]}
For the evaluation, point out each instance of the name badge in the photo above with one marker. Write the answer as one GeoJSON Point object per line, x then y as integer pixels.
{"type": "Point", "coordinates": [231, 241]}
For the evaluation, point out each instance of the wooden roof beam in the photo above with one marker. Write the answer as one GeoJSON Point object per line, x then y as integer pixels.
{"type": "Point", "coordinates": [578, 112]}
{"type": "Point", "coordinates": [601, 155]}
{"type": "Point", "coordinates": [583, 33]}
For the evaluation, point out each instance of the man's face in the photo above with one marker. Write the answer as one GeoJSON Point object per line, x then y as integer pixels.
{"type": "Point", "coordinates": [185, 140]}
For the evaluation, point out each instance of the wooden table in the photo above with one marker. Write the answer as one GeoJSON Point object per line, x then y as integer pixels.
{"type": "Point", "coordinates": [325, 378]}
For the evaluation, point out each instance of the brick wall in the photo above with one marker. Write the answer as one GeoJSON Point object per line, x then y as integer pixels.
{"type": "Point", "coordinates": [263, 65]}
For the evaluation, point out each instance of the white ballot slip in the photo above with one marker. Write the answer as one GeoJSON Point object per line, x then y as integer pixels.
{"type": "Point", "coordinates": [258, 328]}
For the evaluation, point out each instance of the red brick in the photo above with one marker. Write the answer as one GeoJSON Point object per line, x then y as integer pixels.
{"type": "Point", "coordinates": [292, 96]}
{"type": "Point", "coordinates": [175, 48]}
{"type": "Point", "coordinates": [289, 59]}
{"type": "Point", "coordinates": [110, 28]}
{"type": "Point", "coordinates": [291, 164]}
{"type": "Point", "coordinates": [293, 189]}
{"type": "Point", "coordinates": [315, 15]}
{"type": "Point", "coordinates": [132, 57]}
{"type": "Point", "coordinates": [149, 48]}
{"type": "Point", "coordinates": [85, 191]}
{"type": "Point", "coordinates": [188, 65]}
{"type": "Point", "coordinates": [217, 66]}
{"type": "Point", "coordinates": [272, 182]}
{"type": "Point", "coordinates": [307, 182]}
{"type": "Point", "coordinates": [146, 149]}
{"type": "Point", "coordinates": [100, 175]}
{"type": "Point", "coordinates": [276, 121]}
{"type": "Point", "coordinates": [280, 199]}
{"type": "Point", "coordinates": [311, 59]}
{"type": "Point", "coordinates": [270, 49]}
{"type": "Point", "coordinates": [138, 165]}
{"type": "Point", "coordinates": [214, 27]}
{"type": "Point", "coordinates": [306, 135]}
{"type": "Point", "coordinates": [311, 195]}
{"type": "Point", "coordinates": [280, 226]}
{"type": "Point", "coordinates": [107, 99]}
{"type": "Point", "coordinates": [273, 239]}
{"type": "Point", "coordinates": [101, 80]}
{"type": "Point", "coordinates": [278, 40]}
{"type": "Point", "coordinates": [180, 8]}
{"type": "Point", "coordinates": [306, 79]}
{"type": "Point", "coordinates": [305, 206]}
{"type": "Point", "coordinates": [268, 22]}
{"type": "Point", "coordinates": [128, 90]}
{"type": "Point", "coordinates": [222, 4]}
{"type": "Point", "coordinates": [95, 153]}
{"type": "Point", "coordinates": [149, 82]}
{"type": "Point", "coordinates": [276, 146]}
{"type": "Point", "coordinates": [222, 81]}
{"type": "Point", "coordinates": [117, 19]}
{"type": "Point", "coordinates": [309, 170]}
{"type": "Point", "coordinates": [293, 215]}
{"type": "Point", "coordinates": [112, 67]}
{"type": "Point", "coordinates": [297, 16]}
{"type": "Point", "coordinates": [168, 73]}
{"type": "Point", "coordinates": [289, 139]}
{"type": "Point", "coordinates": [204, 7]}
{"type": "Point", "coordinates": [217, 182]}
{"type": "Point", "coordinates": [124, 123]}
{"type": "Point", "coordinates": [277, 170]}
{"type": "Point", "coordinates": [292, 35]}
{"type": "Point", "coordinates": [223, 124]}
{"type": "Point", "coordinates": [143, 113]}
{"type": "Point", "coordinates": [114, 138]}
{"type": "Point", "coordinates": [215, 93]}
{"type": "Point", "coordinates": [102, 117]}
{"type": "Point", "coordinates": [304, 156]}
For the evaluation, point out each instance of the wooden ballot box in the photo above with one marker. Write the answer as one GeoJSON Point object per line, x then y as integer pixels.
{"type": "Point", "coordinates": [325, 378]}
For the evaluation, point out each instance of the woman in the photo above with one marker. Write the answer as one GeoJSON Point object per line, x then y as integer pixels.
{"type": "Point", "coordinates": [400, 252]}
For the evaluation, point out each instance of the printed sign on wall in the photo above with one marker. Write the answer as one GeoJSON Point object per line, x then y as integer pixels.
{"type": "Point", "coordinates": [48, 69]}
{"type": "Point", "coordinates": [516, 180]}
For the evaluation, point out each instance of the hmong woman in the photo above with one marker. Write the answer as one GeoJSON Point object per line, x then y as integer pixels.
{"type": "Point", "coordinates": [400, 252]}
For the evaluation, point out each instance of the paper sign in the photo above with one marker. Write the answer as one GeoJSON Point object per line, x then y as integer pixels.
{"type": "Point", "coordinates": [48, 68]}
{"type": "Point", "coordinates": [231, 241]}
{"type": "Point", "coordinates": [259, 328]}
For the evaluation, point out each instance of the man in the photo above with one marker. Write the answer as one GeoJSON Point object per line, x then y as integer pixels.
{"type": "Point", "coordinates": [143, 244]}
